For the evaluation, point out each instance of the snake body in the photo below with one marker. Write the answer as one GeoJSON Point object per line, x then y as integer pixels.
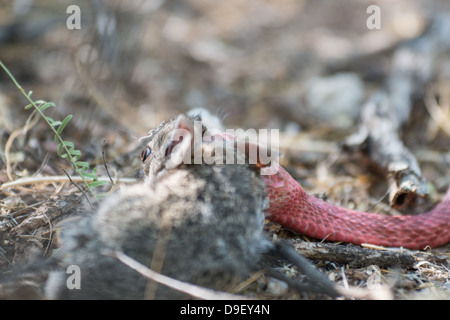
{"type": "Point", "coordinates": [295, 209]}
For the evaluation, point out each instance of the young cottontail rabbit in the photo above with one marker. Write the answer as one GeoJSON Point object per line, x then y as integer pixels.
{"type": "Point", "coordinates": [201, 224]}
{"type": "Point", "coordinates": [192, 221]}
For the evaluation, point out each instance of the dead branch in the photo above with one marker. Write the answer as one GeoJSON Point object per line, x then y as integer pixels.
{"type": "Point", "coordinates": [385, 112]}
{"type": "Point", "coordinates": [52, 179]}
{"type": "Point", "coordinates": [190, 289]}
{"type": "Point", "coordinates": [354, 256]}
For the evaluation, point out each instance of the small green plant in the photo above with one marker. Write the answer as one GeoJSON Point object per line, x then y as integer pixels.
{"type": "Point", "coordinates": [66, 149]}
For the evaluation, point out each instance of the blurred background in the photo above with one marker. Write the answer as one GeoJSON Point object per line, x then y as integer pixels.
{"type": "Point", "coordinates": [296, 65]}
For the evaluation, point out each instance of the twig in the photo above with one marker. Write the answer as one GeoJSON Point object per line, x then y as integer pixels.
{"type": "Point", "coordinates": [319, 281]}
{"type": "Point", "coordinates": [51, 233]}
{"type": "Point", "coordinates": [51, 179]}
{"type": "Point", "coordinates": [104, 162]}
{"type": "Point", "coordinates": [159, 254]}
{"type": "Point", "coordinates": [12, 214]}
{"type": "Point", "coordinates": [381, 147]}
{"type": "Point", "coordinates": [387, 110]}
{"type": "Point", "coordinates": [438, 113]}
{"type": "Point", "coordinates": [43, 164]}
{"type": "Point", "coordinates": [190, 289]}
{"type": "Point", "coordinates": [78, 187]}
{"type": "Point", "coordinates": [354, 256]}
{"type": "Point", "coordinates": [12, 137]}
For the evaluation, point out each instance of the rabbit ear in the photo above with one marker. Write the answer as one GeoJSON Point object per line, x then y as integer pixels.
{"type": "Point", "coordinates": [181, 143]}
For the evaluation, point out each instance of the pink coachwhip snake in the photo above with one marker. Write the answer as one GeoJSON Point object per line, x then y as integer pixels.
{"type": "Point", "coordinates": [298, 211]}
{"type": "Point", "coordinates": [293, 208]}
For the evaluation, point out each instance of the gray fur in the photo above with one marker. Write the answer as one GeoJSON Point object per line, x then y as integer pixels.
{"type": "Point", "coordinates": [211, 216]}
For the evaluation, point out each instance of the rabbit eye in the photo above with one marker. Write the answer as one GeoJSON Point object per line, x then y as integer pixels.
{"type": "Point", "coordinates": [145, 153]}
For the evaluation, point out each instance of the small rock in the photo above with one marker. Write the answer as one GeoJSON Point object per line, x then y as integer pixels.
{"type": "Point", "coordinates": [336, 98]}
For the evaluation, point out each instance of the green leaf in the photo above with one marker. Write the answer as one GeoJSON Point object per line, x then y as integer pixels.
{"type": "Point", "coordinates": [28, 106]}
{"type": "Point", "coordinates": [62, 126]}
{"type": "Point", "coordinates": [82, 165]}
{"type": "Point", "coordinates": [74, 152]}
{"type": "Point", "coordinates": [64, 123]}
{"type": "Point", "coordinates": [49, 119]}
{"type": "Point", "coordinates": [46, 105]}
{"type": "Point", "coordinates": [56, 123]}
{"type": "Point", "coordinates": [89, 175]}
{"type": "Point", "coordinates": [97, 183]}
{"type": "Point", "coordinates": [69, 145]}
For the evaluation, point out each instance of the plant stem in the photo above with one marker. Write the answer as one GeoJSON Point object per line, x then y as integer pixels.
{"type": "Point", "coordinates": [71, 159]}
